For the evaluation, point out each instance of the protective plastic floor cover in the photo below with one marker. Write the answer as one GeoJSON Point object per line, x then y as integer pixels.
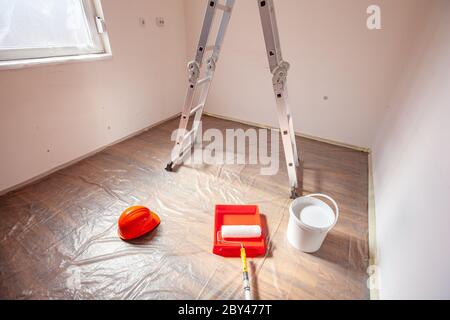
{"type": "Point", "coordinates": [58, 237]}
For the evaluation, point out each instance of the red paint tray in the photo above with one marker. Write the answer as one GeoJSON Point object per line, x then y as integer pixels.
{"type": "Point", "coordinates": [238, 215]}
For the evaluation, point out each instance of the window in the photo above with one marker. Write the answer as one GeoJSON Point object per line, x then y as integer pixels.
{"type": "Point", "coordinates": [44, 29]}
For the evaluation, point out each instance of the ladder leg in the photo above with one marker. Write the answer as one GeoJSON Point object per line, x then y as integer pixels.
{"type": "Point", "coordinates": [185, 139]}
{"type": "Point", "coordinates": [279, 70]}
{"type": "Point", "coordinates": [194, 74]}
{"type": "Point", "coordinates": [292, 131]}
{"type": "Point", "coordinates": [212, 61]}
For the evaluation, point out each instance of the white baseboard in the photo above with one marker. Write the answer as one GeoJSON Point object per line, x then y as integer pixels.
{"type": "Point", "coordinates": [373, 249]}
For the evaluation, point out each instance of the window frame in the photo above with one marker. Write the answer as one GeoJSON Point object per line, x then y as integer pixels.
{"type": "Point", "coordinates": [20, 58]}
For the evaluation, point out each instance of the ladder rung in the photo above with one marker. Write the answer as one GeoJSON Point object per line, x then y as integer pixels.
{"type": "Point", "coordinates": [210, 48]}
{"type": "Point", "coordinates": [184, 151]}
{"type": "Point", "coordinates": [224, 7]}
{"type": "Point", "coordinates": [204, 80]}
{"type": "Point", "coordinates": [188, 135]}
{"type": "Point", "coordinates": [194, 111]}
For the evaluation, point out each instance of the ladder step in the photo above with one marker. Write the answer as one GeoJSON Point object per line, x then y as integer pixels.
{"type": "Point", "coordinates": [188, 135]}
{"type": "Point", "coordinates": [200, 106]}
{"type": "Point", "coordinates": [210, 48]}
{"type": "Point", "coordinates": [204, 80]}
{"type": "Point", "coordinates": [184, 150]}
{"type": "Point", "coordinates": [224, 7]}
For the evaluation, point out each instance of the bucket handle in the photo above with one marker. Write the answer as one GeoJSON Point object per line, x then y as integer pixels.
{"type": "Point", "coordinates": [336, 212]}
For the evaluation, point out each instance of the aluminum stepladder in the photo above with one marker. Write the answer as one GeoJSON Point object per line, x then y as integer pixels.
{"type": "Point", "coordinates": [278, 67]}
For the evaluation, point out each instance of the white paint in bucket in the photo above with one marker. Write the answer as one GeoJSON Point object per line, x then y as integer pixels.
{"type": "Point", "coordinates": [310, 221]}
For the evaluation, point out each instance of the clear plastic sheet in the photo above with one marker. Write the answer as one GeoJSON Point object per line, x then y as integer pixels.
{"type": "Point", "coordinates": [58, 237]}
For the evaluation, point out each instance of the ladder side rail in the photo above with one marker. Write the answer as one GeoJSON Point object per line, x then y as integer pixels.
{"type": "Point", "coordinates": [206, 30]}
{"type": "Point", "coordinates": [194, 68]}
{"type": "Point", "coordinates": [287, 142]}
{"type": "Point", "coordinates": [223, 30]}
{"type": "Point", "coordinates": [279, 70]}
{"type": "Point", "coordinates": [276, 34]}
{"type": "Point", "coordinates": [211, 68]}
{"type": "Point", "coordinates": [194, 74]}
{"type": "Point", "coordinates": [292, 130]}
{"type": "Point", "coordinates": [270, 31]}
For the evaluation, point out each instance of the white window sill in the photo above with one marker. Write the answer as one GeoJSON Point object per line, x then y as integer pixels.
{"type": "Point", "coordinates": [19, 64]}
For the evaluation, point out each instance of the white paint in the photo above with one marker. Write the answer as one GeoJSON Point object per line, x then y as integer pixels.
{"type": "Point", "coordinates": [317, 217]}
{"type": "Point", "coordinates": [72, 109]}
{"type": "Point", "coordinates": [332, 54]}
{"type": "Point", "coordinates": [412, 172]}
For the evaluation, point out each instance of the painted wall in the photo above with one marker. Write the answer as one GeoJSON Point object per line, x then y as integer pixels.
{"type": "Point", "coordinates": [51, 115]}
{"type": "Point", "coordinates": [332, 53]}
{"type": "Point", "coordinates": [412, 172]}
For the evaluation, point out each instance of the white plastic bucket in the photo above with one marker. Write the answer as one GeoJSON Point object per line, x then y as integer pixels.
{"type": "Point", "coordinates": [310, 221]}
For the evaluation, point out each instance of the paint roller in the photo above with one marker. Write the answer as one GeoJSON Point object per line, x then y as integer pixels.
{"type": "Point", "coordinates": [242, 232]}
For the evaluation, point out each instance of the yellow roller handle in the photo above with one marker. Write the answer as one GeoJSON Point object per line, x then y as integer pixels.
{"type": "Point", "coordinates": [244, 260]}
{"type": "Point", "coordinates": [247, 290]}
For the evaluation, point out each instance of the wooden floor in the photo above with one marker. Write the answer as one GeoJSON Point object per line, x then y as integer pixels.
{"type": "Point", "coordinates": [58, 237]}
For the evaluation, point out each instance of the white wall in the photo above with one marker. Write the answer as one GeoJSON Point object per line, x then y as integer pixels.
{"type": "Point", "coordinates": [332, 53]}
{"type": "Point", "coordinates": [412, 172]}
{"type": "Point", "coordinates": [51, 115]}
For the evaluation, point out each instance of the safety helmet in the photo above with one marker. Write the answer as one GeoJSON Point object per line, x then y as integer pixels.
{"type": "Point", "coordinates": [136, 222]}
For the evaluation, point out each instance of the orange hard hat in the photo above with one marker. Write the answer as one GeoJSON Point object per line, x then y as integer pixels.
{"type": "Point", "coordinates": [136, 222]}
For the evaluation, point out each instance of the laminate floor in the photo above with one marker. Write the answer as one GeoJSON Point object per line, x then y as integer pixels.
{"type": "Point", "coordinates": [58, 237]}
